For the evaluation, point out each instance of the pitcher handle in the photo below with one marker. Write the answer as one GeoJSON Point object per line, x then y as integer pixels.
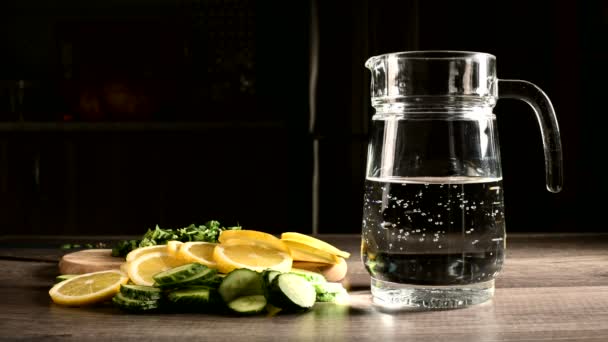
{"type": "Point", "coordinates": [549, 129]}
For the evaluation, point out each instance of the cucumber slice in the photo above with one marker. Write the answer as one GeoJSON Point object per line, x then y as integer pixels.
{"type": "Point", "coordinates": [63, 277]}
{"type": "Point", "coordinates": [268, 276]}
{"type": "Point", "coordinates": [211, 280]}
{"type": "Point", "coordinates": [134, 305]}
{"type": "Point", "coordinates": [241, 282]}
{"type": "Point", "coordinates": [206, 276]}
{"type": "Point", "coordinates": [248, 305]}
{"type": "Point", "coordinates": [291, 292]}
{"type": "Point", "coordinates": [313, 277]}
{"type": "Point", "coordinates": [178, 274]}
{"type": "Point", "coordinates": [140, 292]}
{"type": "Point", "coordinates": [192, 297]}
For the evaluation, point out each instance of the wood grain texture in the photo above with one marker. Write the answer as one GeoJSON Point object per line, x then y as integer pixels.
{"type": "Point", "coordinates": [547, 314]}
{"type": "Point", "coordinates": [553, 288]}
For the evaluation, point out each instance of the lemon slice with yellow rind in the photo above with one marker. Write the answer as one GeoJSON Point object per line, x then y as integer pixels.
{"type": "Point", "coordinates": [252, 256]}
{"type": "Point", "coordinates": [173, 247]}
{"type": "Point", "coordinates": [89, 288]}
{"type": "Point", "coordinates": [313, 242]}
{"type": "Point", "coordinates": [246, 237]}
{"type": "Point", "coordinates": [201, 252]}
{"type": "Point", "coordinates": [302, 252]}
{"type": "Point", "coordinates": [142, 269]}
{"type": "Point", "coordinates": [134, 254]}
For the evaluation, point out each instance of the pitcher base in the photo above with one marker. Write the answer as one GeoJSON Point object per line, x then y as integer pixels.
{"type": "Point", "coordinates": [396, 297]}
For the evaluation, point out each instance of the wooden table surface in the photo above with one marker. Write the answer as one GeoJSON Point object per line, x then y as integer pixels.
{"type": "Point", "coordinates": [553, 288]}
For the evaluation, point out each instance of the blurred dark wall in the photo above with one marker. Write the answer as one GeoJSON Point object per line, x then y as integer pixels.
{"type": "Point", "coordinates": [117, 115]}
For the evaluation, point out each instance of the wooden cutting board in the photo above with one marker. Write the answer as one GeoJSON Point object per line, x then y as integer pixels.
{"type": "Point", "coordinates": [93, 260]}
{"type": "Point", "coordinates": [89, 260]}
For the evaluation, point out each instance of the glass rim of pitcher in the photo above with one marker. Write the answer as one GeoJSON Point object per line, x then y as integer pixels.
{"type": "Point", "coordinates": [431, 55]}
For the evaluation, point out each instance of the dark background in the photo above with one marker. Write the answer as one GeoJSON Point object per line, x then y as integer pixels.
{"type": "Point", "coordinates": [118, 115]}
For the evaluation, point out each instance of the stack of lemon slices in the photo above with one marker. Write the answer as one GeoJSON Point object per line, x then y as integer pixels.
{"type": "Point", "coordinates": [236, 249]}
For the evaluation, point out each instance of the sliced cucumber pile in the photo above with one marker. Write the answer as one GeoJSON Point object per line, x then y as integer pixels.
{"type": "Point", "coordinates": [268, 276]}
{"type": "Point", "coordinates": [291, 292]}
{"type": "Point", "coordinates": [196, 288]}
{"type": "Point", "coordinates": [188, 287]}
{"type": "Point", "coordinates": [140, 292]}
{"type": "Point", "coordinates": [134, 305]}
{"type": "Point", "coordinates": [187, 275]}
{"type": "Point", "coordinates": [241, 282]}
{"type": "Point", "coordinates": [178, 274]}
{"type": "Point", "coordinates": [136, 298]}
{"type": "Point", "coordinates": [196, 298]}
{"type": "Point", "coordinates": [248, 305]}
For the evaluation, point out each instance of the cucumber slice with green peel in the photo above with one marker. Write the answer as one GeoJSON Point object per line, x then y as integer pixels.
{"type": "Point", "coordinates": [313, 277]}
{"type": "Point", "coordinates": [134, 305]}
{"type": "Point", "coordinates": [206, 277]}
{"type": "Point", "coordinates": [212, 280]}
{"type": "Point", "coordinates": [291, 292]}
{"type": "Point", "coordinates": [191, 297]}
{"type": "Point", "coordinates": [140, 292]}
{"type": "Point", "coordinates": [248, 305]}
{"type": "Point", "coordinates": [63, 277]}
{"type": "Point", "coordinates": [241, 282]}
{"type": "Point", "coordinates": [179, 274]}
{"type": "Point", "coordinates": [268, 276]}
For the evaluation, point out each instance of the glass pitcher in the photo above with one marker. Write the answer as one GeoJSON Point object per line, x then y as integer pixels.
{"type": "Point", "coordinates": [433, 231]}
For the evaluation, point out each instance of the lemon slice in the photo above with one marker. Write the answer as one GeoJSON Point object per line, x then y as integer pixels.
{"type": "Point", "coordinates": [144, 267]}
{"type": "Point", "coordinates": [252, 256]}
{"type": "Point", "coordinates": [136, 253]}
{"type": "Point", "coordinates": [313, 242]}
{"type": "Point", "coordinates": [173, 247]}
{"type": "Point", "coordinates": [201, 252]}
{"type": "Point", "coordinates": [246, 237]}
{"type": "Point", "coordinates": [302, 252]}
{"type": "Point", "coordinates": [89, 288]}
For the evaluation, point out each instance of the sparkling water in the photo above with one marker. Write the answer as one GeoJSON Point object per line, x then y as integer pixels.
{"type": "Point", "coordinates": [433, 232]}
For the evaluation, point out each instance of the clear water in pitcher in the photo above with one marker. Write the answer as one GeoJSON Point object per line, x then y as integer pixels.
{"type": "Point", "coordinates": [433, 231]}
